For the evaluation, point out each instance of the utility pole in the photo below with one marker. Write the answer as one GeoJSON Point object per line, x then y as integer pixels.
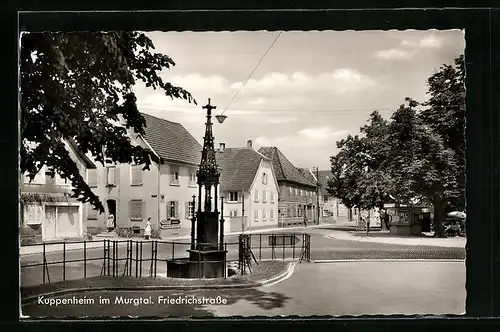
{"type": "Point", "coordinates": [242, 211]}
{"type": "Point", "coordinates": [317, 193]}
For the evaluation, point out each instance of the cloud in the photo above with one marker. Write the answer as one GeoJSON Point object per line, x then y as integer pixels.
{"type": "Point", "coordinates": [431, 41]}
{"type": "Point", "coordinates": [344, 80]}
{"type": "Point", "coordinates": [393, 54]}
{"type": "Point", "coordinates": [320, 133]}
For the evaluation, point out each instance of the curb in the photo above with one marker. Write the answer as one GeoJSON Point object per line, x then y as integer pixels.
{"type": "Point", "coordinates": [32, 298]}
{"type": "Point", "coordinates": [371, 240]}
{"type": "Point", "coordinates": [388, 260]}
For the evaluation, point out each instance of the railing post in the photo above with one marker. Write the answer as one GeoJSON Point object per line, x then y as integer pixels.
{"type": "Point", "coordinates": [109, 258]}
{"type": "Point", "coordinates": [199, 266]}
{"type": "Point", "coordinates": [64, 261]}
{"type": "Point", "coordinates": [173, 250]}
{"type": "Point", "coordinates": [84, 259]}
{"type": "Point", "coordinates": [44, 265]}
{"type": "Point", "coordinates": [293, 247]}
{"type": "Point", "coordinates": [140, 270]}
{"type": "Point", "coordinates": [136, 259]}
{"type": "Point", "coordinates": [225, 262]}
{"type": "Point", "coordinates": [260, 246]}
{"type": "Point", "coordinates": [156, 255]}
{"type": "Point", "coordinates": [152, 259]}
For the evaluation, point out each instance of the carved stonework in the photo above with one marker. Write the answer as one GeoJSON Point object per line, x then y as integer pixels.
{"type": "Point", "coordinates": [208, 174]}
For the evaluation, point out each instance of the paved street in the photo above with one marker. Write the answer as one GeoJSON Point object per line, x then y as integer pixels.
{"type": "Point", "coordinates": [322, 248]}
{"type": "Point", "coordinates": [342, 288]}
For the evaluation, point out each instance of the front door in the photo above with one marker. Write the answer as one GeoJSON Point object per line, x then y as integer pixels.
{"type": "Point", "coordinates": [68, 222]}
{"type": "Point", "coordinates": [112, 210]}
{"type": "Point", "coordinates": [49, 223]}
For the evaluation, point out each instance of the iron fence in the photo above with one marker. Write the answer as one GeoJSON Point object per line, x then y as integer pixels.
{"type": "Point", "coordinates": [61, 261]}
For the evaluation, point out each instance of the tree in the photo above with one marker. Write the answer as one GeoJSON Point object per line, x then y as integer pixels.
{"type": "Point", "coordinates": [445, 113]}
{"type": "Point", "coordinates": [358, 179]}
{"type": "Point", "coordinates": [79, 86]}
{"type": "Point", "coordinates": [420, 164]}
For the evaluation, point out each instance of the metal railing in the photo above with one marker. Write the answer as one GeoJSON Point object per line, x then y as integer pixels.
{"type": "Point", "coordinates": [61, 261]}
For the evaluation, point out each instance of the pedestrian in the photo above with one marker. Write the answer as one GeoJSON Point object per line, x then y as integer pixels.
{"type": "Point", "coordinates": [111, 222]}
{"type": "Point", "coordinates": [367, 224]}
{"type": "Point", "coordinates": [147, 229]}
{"type": "Point", "coordinates": [305, 220]}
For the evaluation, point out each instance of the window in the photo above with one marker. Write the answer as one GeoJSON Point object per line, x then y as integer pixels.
{"type": "Point", "coordinates": [289, 190]}
{"type": "Point", "coordinates": [92, 177]}
{"type": "Point", "coordinates": [192, 178]}
{"type": "Point", "coordinates": [256, 194]}
{"type": "Point", "coordinates": [173, 210]}
{"type": "Point", "coordinates": [256, 215]}
{"type": "Point", "coordinates": [233, 213]}
{"type": "Point", "coordinates": [233, 196]}
{"type": "Point", "coordinates": [91, 213]}
{"type": "Point", "coordinates": [296, 191]}
{"type": "Point", "coordinates": [271, 214]}
{"type": "Point", "coordinates": [189, 209]}
{"type": "Point", "coordinates": [110, 171]}
{"type": "Point", "coordinates": [174, 176]}
{"type": "Point", "coordinates": [288, 211]}
{"type": "Point", "coordinates": [272, 196]}
{"type": "Point", "coordinates": [300, 192]}
{"type": "Point", "coordinates": [264, 178]}
{"type": "Point", "coordinates": [264, 196]}
{"type": "Point", "coordinates": [299, 211]}
{"type": "Point", "coordinates": [264, 215]}
{"type": "Point", "coordinates": [136, 209]}
{"type": "Point", "coordinates": [136, 175]}
{"type": "Point", "coordinates": [294, 211]}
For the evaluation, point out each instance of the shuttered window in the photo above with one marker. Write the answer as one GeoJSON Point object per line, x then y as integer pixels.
{"type": "Point", "coordinates": [256, 195]}
{"type": "Point", "coordinates": [136, 209]}
{"type": "Point", "coordinates": [271, 214]}
{"type": "Point", "coordinates": [272, 196]}
{"type": "Point", "coordinates": [264, 215]}
{"type": "Point", "coordinates": [136, 175]}
{"type": "Point", "coordinates": [172, 210]}
{"type": "Point", "coordinates": [264, 196]}
{"type": "Point", "coordinates": [111, 176]}
{"type": "Point", "coordinates": [256, 215]}
{"type": "Point", "coordinates": [91, 213]}
{"type": "Point", "coordinates": [92, 177]}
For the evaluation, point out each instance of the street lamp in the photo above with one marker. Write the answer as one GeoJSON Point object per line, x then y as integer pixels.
{"type": "Point", "coordinates": [221, 118]}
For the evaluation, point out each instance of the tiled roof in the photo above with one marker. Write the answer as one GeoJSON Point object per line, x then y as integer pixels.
{"type": "Point", "coordinates": [284, 169]}
{"type": "Point", "coordinates": [324, 177]}
{"type": "Point", "coordinates": [238, 167]}
{"type": "Point", "coordinates": [171, 141]}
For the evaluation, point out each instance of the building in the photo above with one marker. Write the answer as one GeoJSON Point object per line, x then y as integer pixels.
{"type": "Point", "coordinates": [250, 189]}
{"type": "Point", "coordinates": [311, 175]}
{"type": "Point", "coordinates": [297, 194]}
{"type": "Point", "coordinates": [333, 209]}
{"type": "Point", "coordinates": [162, 193]}
{"type": "Point", "coordinates": [48, 213]}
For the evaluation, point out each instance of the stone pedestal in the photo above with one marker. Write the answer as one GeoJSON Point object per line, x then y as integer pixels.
{"type": "Point", "coordinates": [207, 227]}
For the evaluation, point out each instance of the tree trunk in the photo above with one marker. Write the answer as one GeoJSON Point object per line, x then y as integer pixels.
{"type": "Point", "coordinates": [439, 216]}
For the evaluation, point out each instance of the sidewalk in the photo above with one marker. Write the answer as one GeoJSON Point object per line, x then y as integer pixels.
{"type": "Point", "coordinates": [385, 237]}
{"type": "Point", "coordinates": [98, 242]}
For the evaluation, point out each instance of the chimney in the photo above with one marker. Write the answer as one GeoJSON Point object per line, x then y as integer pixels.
{"type": "Point", "coordinates": [249, 144]}
{"type": "Point", "coordinates": [222, 146]}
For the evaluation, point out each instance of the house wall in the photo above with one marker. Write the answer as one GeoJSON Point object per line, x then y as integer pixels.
{"type": "Point", "coordinates": [53, 191]}
{"type": "Point", "coordinates": [260, 206]}
{"type": "Point", "coordinates": [181, 192]}
{"type": "Point", "coordinates": [292, 199]}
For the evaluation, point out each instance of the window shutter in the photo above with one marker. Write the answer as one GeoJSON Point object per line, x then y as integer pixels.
{"type": "Point", "coordinates": [92, 177]}
{"type": "Point", "coordinates": [136, 175]}
{"type": "Point", "coordinates": [176, 209]}
{"type": "Point", "coordinates": [169, 204]}
{"type": "Point", "coordinates": [111, 176]}
{"type": "Point", "coordinates": [239, 196]}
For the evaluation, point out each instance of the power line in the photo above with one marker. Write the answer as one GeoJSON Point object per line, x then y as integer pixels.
{"type": "Point", "coordinates": [251, 73]}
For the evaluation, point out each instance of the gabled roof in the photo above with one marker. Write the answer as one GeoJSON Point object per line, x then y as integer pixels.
{"type": "Point", "coordinates": [283, 168]}
{"type": "Point", "coordinates": [238, 167]}
{"type": "Point", "coordinates": [308, 174]}
{"type": "Point", "coordinates": [86, 161]}
{"type": "Point", "coordinates": [323, 178]}
{"type": "Point", "coordinates": [171, 141]}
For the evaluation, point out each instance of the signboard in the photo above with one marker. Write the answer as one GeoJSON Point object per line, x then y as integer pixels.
{"type": "Point", "coordinates": [280, 240]}
{"type": "Point", "coordinates": [33, 214]}
{"type": "Point", "coordinates": [170, 224]}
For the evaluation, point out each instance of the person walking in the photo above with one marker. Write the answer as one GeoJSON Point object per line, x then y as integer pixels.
{"type": "Point", "coordinates": [305, 220]}
{"type": "Point", "coordinates": [111, 222]}
{"type": "Point", "coordinates": [147, 229]}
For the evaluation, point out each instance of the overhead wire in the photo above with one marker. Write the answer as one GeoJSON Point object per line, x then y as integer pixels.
{"type": "Point", "coordinates": [251, 73]}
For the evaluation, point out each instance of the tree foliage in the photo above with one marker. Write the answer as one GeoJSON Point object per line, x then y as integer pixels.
{"type": "Point", "coordinates": [416, 154]}
{"type": "Point", "coordinates": [79, 86]}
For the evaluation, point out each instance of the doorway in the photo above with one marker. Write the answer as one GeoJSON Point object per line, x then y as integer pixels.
{"type": "Point", "coordinates": [112, 210]}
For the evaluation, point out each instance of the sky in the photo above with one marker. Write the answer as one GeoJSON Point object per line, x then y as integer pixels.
{"type": "Point", "coordinates": [308, 91]}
